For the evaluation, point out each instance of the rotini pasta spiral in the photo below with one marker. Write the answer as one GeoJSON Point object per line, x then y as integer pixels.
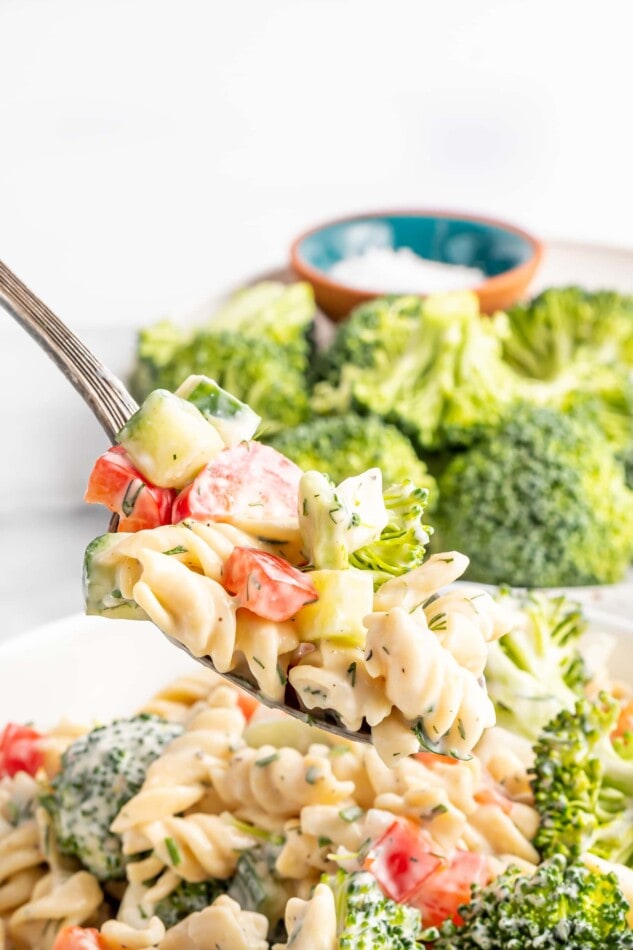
{"type": "Point", "coordinates": [21, 856]}
{"type": "Point", "coordinates": [177, 781]}
{"type": "Point", "coordinates": [58, 900]}
{"type": "Point", "coordinates": [223, 926]}
{"type": "Point", "coordinates": [311, 924]}
{"type": "Point", "coordinates": [268, 785]}
{"type": "Point", "coordinates": [174, 702]}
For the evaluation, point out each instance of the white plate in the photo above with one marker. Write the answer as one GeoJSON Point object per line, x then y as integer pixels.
{"type": "Point", "coordinates": [86, 668]}
{"type": "Point", "coordinates": [92, 669]}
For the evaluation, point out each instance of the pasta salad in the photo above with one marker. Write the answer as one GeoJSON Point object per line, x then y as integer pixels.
{"type": "Point", "coordinates": [207, 820]}
{"type": "Point", "coordinates": [298, 586]}
{"type": "Point", "coordinates": [493, 808]}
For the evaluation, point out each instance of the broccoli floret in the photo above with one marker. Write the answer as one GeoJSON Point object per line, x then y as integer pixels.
{"type": "Point", "coordinates": [336, 520]}
{"type": "Point", "coordinates": [355, 524]}
{"type": "Point", "coordinates": [100, 772]}
{"type": "Point", "coordinates": [367, 920]}
{"type": "Point", "coordinates": [560, 905]}
{"type": "Point", "coordinates": [256, 886]}
{"type": "Point", "coordinates": [563, 324]}
{"type": "Point", "coordinates": [402, 542]}
{"type": "Point", "coordinates": [350, 444]}
{"type": "Point", "coordinates": [583, 785]}
{"type": "Point", "coordinates": [536, 669]}
{"type": "Point", "coordinates": [433, 367]}
{"type": "Point", "coordinates": [539, 502]}
{"type": "Point", "coordinates": [257, 347]}
{"type": "Point", "coordinates": [186, 899]}
{"type": "Point", "coordinates": [575, 349]}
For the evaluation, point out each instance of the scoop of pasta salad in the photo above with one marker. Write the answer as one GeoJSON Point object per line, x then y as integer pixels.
{"type": "Point", "coordinates": [294, 583]}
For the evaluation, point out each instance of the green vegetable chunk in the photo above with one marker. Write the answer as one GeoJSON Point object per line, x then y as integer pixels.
{"type": "Point", "coordinates": [367, 920]}
{"type": "Point", "coordinates": [536, 670]}
{"type": "Point", "coordinates": [233, 419]}
{"type": "Point", "coordinates": [187, 899]}
{"type": "Point", "coordinates": [256, 886]}
{"type": "Point", "coordinates": [539, 502]}
{"type": "Point", "coordinates": [583, 784]}
{"type": "Point", "coordinates": [568, 324]}
{"type": "Point", "coordinates": [100, 772]}
{"type": "Point", "coordinates": [560, 905]}
{"type": "Point", "coordinates": [401, 546]}
{"type": "Point", "coordinates": [433, 367]}
{"type": "Point", "coordinates": [101, 594]}
{"type": "Point", "coordinates": [169, 440]}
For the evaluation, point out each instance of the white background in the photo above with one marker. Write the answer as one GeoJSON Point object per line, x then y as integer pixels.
{"type": "Point", "coordinates": [152, 154]}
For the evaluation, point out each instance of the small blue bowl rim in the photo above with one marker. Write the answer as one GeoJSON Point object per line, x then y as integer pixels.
{"type": "Point", "coordinates": [531, 243]}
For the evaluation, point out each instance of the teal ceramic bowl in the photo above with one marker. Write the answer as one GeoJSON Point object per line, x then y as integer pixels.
{"type": "Point", "coordinates": [507, 255]}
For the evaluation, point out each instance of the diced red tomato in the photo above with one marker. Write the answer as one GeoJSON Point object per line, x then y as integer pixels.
{"type": "Point", "coordinates": [19, 750]}
{"type": "Point", "coordinates": [449, 886]}
{"type": "Point", "coordinates": [248, 481]}
{"type": "Point", "coordinates": [402, 859]}
{"type": "Point", "coordinates": [248, 704]}
{"type": "Point", "coordinates": [79, 938]}
{"type": "Point", "coordinates": [266, 584]}
{"type": "Point", "coordinates": [117, 484]}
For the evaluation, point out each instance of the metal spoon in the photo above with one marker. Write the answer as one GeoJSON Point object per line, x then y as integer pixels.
{"type": "Point", "coordinates": [112, 405]}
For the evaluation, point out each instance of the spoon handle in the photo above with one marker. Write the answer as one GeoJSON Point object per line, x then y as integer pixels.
{"type": "Point", "coordinates": [104, 393]}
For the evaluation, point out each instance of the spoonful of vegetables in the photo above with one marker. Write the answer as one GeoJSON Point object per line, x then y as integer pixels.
{"type": "Point", "coordinates": [314, 598]}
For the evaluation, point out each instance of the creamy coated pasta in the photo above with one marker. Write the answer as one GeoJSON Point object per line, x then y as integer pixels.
{"type": "Point", "coordinates": [242, 824]}
{"type": "Point", "coordinates": [292, 583]}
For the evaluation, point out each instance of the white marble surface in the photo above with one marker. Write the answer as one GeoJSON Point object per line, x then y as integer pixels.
{"type": "Point", "coordinates": [152, 154]}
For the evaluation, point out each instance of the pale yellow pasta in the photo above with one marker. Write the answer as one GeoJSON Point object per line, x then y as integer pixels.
{"type": "Point", "coordinates": [174, 702]}
{"type": "Point", "coordinates": [176, 782]}
{"type": "Point", "coordinates": [311, 924]}
{"type": "Point", "coordinates": [337, 678]}
{"type": "Point", "coordinates": [222, 926]}
{"type": "Point", "coordinates": [267, 647]}
{"type": "Point", "coordinates": [426, 682]}
{"type": "Point", "coordinates": [319, 832]}
{"type": "Point", "coordinates": [509, 759]}
{"type": "Point", "coordinates": [266, 786]}
{"type": "Point", "coordinates": [58, 900]}
{"type": "Point", "coordinates": [122, 936]}
{"type": "Point", "coordinates": [21, 856]}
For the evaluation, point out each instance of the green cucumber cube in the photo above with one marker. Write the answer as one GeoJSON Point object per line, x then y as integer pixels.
{"type": "Point", "coordinates": [169, 440]}
{"type": "Point", "coordinates": [235, 421]}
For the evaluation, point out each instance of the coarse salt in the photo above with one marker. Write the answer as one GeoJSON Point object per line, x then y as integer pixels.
{"type": "Point", "coordinates": [401, 271]}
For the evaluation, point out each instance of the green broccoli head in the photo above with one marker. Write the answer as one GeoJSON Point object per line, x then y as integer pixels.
{"type": "Point", "coordinates": [402, 543]}
{"type": "Point", "coordinates": [560, 905]}
{"type": "Point", "coordinates": [563, 324]}
{"type": "Point", "coordinates": [536, 669]}
{"type": "Point", "coordinates": [583, 784]}
{"type": "Point", "coordinates": [187, 899]}
{"type": "Point", "coordinates": [433, 367]}
{"type": "Point", "coordinates": [539, 502]}
{"type": "Point", "coordinates": [258, 348]}
{"type": "Point", "coordinates": [100, 772]}
{"type": "Point", "coordinates": [367, 920]}
{"type": "Point", "coordinates": [350, 444]}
